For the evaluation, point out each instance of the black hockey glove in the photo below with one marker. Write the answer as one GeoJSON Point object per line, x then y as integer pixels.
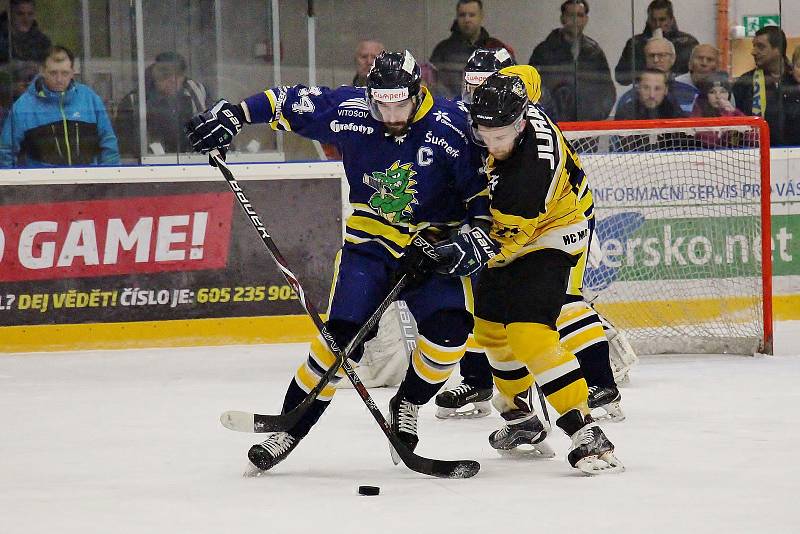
{"type": "Point", "coordinates": [419, 257]}
{"type": "Point", "coordinates": [466, 252]}
{"type": "Point", "coordinates": [215, 128]}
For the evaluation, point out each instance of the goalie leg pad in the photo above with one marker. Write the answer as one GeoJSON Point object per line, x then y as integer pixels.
{"type": "Point", "coordinates": [621, 354]}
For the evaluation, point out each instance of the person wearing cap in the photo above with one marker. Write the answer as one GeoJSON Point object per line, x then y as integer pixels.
{"type": "Point", "coordinates": [714, 98]}
{"type": "Point", "coordinates": [410, 166]}
{"type": "Point", "coordinates": [172, 99]}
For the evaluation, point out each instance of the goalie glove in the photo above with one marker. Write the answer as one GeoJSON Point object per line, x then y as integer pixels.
{"type": "Point", "coordinates": [466, 253]}
{"type": "Point", "coordinates": [215, 128]}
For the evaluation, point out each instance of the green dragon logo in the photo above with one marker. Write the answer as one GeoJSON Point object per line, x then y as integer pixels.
{"type": "Point", "coordinates": [394, 192]}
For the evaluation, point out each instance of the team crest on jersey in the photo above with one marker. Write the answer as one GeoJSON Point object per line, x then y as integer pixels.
{"type": "Point", "coordinates": [394, 191]}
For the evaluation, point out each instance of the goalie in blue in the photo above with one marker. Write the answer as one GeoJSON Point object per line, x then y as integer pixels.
{"type": "Point", "coordinates": [410, 167]}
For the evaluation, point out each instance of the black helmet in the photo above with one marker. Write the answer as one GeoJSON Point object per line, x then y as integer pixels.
{"type": "Point", "coordinates": [394, 77]}
{"type": "Point", "coordinates": [499, 101]}
{"type": "Point", "coordinates": [480, 65]}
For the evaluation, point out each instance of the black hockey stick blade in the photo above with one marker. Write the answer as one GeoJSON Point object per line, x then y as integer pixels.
{"type": "Point", "coordinates": [436, 468]}
{"type": "Point", "coordinates": [258, 423]}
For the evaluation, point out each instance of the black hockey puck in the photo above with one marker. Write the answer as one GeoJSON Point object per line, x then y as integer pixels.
{"type": "Point", "coordinates": [368, 490]}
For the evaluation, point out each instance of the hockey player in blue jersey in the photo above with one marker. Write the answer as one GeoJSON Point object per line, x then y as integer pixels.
{"type": "Point", "coordinates": [410, 166]}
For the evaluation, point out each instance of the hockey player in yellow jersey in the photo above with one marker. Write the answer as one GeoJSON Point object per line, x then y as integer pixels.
{"type": "Point", "coordinates": [540, 231]}
{"type": "Point", "coordinates": [580, 328]}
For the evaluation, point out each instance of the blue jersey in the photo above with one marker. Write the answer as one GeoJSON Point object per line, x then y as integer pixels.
{"type": "Point", "coordinates": [398, 185]}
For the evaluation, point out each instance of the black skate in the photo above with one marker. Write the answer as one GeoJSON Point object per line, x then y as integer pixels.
{"type": "Point", "coordinates": [523, 434]}
{"type": "Point", "coordinates": [403, 422]}
{"type": "Point", "coordinates": [463, 401]}
{"type": "Point", "coordinates": [271, 452]}
{"type": "Point", "coordinates": [591, 451]}
{"type": "Point", "coordinates": [604, 404]}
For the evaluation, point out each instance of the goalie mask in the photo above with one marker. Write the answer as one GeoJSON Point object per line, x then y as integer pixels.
{"type": "Point", "coordinates": [393, 88]}
{"type": "Point", "coordinates": [481, 64]}
{"type": "Point", "coordinates": [497, 114]}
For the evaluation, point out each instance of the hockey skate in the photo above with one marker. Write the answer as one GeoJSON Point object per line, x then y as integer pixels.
{"type": "Point", "coordinates": [523, 434]}
{"type": "Point", "coordinates": [269, 453]}
{"type": "Point", "coordinates": [591, 451]}
{"type": "Point", "coordinates": [403, 422]}
{"type": "Point", "coordinates": [604, 404]}
{"type": "Point", "coordinates": [463, 401]}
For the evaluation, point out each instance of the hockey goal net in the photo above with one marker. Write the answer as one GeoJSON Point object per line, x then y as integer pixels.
{"type": "Point", "coordinates": [682, 260]}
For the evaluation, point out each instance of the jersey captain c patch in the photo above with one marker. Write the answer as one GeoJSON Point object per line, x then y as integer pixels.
{"type": "Point", "coordinates": [394, 191]}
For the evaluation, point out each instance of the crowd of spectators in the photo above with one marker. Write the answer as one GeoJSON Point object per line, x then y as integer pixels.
{"type": "Point", "coordinates": [668, 73]}
{"type": "Point", "coordinates": [665, 73]}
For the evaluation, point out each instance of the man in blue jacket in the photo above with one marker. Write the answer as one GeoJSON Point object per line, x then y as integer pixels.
{"type": "Point", "coordinates": [58, 122]}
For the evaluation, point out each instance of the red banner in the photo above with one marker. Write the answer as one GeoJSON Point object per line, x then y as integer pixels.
{"type": "Point", "coordinates": [116, 236]}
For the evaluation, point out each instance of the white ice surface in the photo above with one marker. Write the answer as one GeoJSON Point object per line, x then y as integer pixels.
{"type": "Point", "coordinates": [129, 442]}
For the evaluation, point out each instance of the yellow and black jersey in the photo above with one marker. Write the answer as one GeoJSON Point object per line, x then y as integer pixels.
{"type": "Point", "coordinates": [539, 196]}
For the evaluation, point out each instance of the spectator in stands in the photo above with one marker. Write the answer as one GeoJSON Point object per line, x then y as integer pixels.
{"type": "Point", "coordinates": [172, 99]}
{"type": "Point", "coordinates": [57, 121]}
{"type": "Point", "coordinates": [13, 84]}
{"type": "Point", "coordinates": [22, 40]}
{"type": "Point", "coordinates": [574, 68]}
{"type": "Point", "coordinates": [650, 101]}
{"type": "Point", "coordinates": [660, 20]}
{"type": "Point", "coordinates": [760, 91]}
{"type": "Point", "coordinates": [791, 104]}
{"type": "Point", "coordinates": [703, 61]}
{"type": "Point", "coordinates": [660, 55]}
{"type": "Point", "coordinates": [366, 51]}
{"type": "Point", "coordinates": [467, 35]}
{"type": "Point", "coordinates": [714, 100]}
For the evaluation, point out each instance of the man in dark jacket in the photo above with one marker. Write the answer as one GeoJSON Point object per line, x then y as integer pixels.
{"type": "Point", "coordinates": [172, 99]}
{"type": "Point", "coordinates": [650, 100]}
{"type": "Point", "coordinates": [660, 19]}
{"type": "Point", "coordinates": [574, 68]}
{"type": "Point", "coordinates": [466, 35]}
{"type": "Point", "coordinates": [27, 42]}
{"type": "Point", "coordinates": [761, 91]}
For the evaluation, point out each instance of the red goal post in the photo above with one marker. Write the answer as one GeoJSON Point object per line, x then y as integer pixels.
{"type": "Point", "coordinates": [681, 206]}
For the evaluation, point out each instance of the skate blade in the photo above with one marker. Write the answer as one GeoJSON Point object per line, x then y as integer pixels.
{"type": "Point", "coordinates": [469, 411]}
{"type": "Point", "coordinates": [611, 413]}
{"type": "Point", "coordinates": [606, 463]}
{"type": "Point", "coordinates": [251, 471]}
{"type": "Point", "coordinates": [538, 451]}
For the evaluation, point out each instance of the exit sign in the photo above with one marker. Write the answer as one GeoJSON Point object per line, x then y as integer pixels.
{"type": "Point", "coordinates": [753, 23]}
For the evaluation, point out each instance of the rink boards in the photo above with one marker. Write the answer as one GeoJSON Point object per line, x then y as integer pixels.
{"type": "Point", "coordinates": [162, 256]}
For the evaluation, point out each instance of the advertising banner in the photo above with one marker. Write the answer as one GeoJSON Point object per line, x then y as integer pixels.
{"type": "Point", "coordinates": [118, 252]}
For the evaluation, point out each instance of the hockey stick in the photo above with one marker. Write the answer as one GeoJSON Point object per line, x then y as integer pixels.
{"type": "Point", "coordinates": [427, 466]}
{"type": "Point", "coordinates": [258, 423]}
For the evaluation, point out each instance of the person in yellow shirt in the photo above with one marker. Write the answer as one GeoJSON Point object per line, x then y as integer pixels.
{"type": "Point", "coordinates": [539, 233]}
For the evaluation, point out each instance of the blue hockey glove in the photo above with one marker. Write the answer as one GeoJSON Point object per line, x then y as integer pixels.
{"type": "Point", "coordinates": [215, 128]}
{"type": "Point", "coordinates": [466, 253]}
